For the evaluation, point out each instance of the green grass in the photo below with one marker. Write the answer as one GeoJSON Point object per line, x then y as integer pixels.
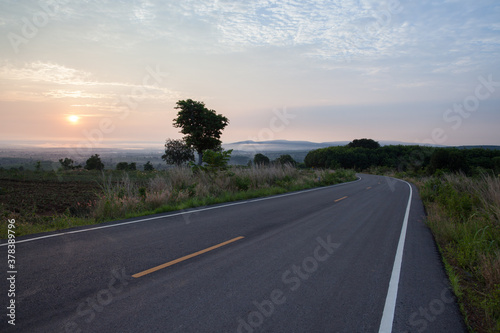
{"type": "Point", "coordinates": [120, 195]}
{"type": "Point", "coordinates": [464, 216]}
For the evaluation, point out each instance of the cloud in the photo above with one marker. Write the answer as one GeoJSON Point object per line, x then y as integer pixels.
{"type": "Point", "coordinates": [46, 79]}
{"type": "Point", "coordinates": [244, 57]}
{"type": "Point", "coordinates": [44, 72]}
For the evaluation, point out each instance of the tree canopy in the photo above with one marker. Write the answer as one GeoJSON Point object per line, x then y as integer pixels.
{"type": "Point", "coordinates": [124, 166]}
{"type": "Point", "coordinates": [260, 159]}
{"type": "Point", "coordinates": [94, 163]}
{"type": "Point", "coordinates": [67, 164]}
{"type": "Point", "coordinates": [177, 152]}
{"type": "Point", "coordinates": [364, 143]}
{"type": "Point", "coordinates": [286, 159]}
{"type": "Point", "coordinates": [149, 166]}
{"type": "Point", "coordinates": [202, 127]}
{"type": "Point", "coordinates": [405, 158]}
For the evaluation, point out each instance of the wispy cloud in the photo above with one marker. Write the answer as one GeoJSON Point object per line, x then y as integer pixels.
{"type": "Point", "coordinates": [252, 56]}
{"type": "Point", "coordinates": [45, 72]}
{"type": "Point", "coordinates": [83, 84]}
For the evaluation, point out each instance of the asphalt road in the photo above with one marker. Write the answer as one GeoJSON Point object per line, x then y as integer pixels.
{"type": "Point", "coordinates": [311, 261]}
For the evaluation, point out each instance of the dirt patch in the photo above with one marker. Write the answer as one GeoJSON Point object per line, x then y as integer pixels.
{"type": "Point", "coordinates": [46, 197]}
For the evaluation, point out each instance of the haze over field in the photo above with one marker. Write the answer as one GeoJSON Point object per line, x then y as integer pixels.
{"type": "Point", "coordinates": [100, 73]}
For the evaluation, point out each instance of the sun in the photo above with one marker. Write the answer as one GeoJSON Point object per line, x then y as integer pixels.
{"type": "Point", "coordinates": [73, 119]}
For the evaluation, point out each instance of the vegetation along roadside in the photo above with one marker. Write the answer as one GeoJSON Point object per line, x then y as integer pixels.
{"type": "Point", "coordinates": [49, 201]}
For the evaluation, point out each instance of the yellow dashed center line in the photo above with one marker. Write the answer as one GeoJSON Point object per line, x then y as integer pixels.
{"type": "Point", "coordinates": [369, 187]}
{"type": "Point", "coordinates": [173, 262]}
{"type": "Point", "coordinates": [340, 199]}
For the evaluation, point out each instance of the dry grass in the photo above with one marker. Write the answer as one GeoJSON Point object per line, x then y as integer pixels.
{"type": "Point", "coordinates": [178, 185]}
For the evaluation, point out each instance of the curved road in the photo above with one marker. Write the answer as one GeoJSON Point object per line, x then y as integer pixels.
{"type": "Point", "coordinates": [321, 260]}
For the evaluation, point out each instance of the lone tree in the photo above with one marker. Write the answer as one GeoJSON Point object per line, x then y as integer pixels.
{"type": "Point", "coordinates": [364, 143]}
{"type": "Point", "coordinates": [260, 159]}
{"type": "Point", "coordinates": [94, 163]}
{"type": "Point", "coordinates": [202, 126]}
{"type": "Point", "coordinates": [177, 152]}
{"type": "Point", "coordinates": [148, 166]}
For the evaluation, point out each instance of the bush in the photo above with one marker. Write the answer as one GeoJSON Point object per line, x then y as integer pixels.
{"type": "Point", "coordinates": [94, 163]}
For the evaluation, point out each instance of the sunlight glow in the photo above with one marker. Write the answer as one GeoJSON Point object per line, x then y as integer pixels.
{"type": "Point", "coordinates": [73, 119]}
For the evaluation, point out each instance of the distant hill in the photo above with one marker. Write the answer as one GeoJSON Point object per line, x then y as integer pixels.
{"type": "Point", "coordinates": [285, 145]}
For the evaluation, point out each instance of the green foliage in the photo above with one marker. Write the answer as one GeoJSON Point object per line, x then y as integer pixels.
{"type": "Point", "coordinates": [67, 164]}
{"type": "Point", "coordinates": [243, 183]}
{"type": "Point", "coordinates": [364, 143]}
{"type": "Point", "coordinates": [202, 127]}
{"type": "Point", "coordinates": [464, 215]}
{"type": "Point", "coordinates": [496, 164]}
{"type": "Point", "coordinates": [414, 160]}
{"type": "Point", "coordinates": [94, 163]}
{"type": "Point", "coordinates": [285, 159]}
{"type": "Point", "coordinates": [216, 160]}
{"type": "Point", "coordinates": [450, 159]}
{"type": "Point", "coordinates": [142, 192]}
{"type": "Point", "coordinates": [458, 204]}
{"type": "Point", "coordinates": [177, 152]}
{"type": "Point", "coordinates": [122, 166]}
{"type": "Point", "coordinates": [261, 159]}
{"type": "Point", "coordinates": [148, 166]}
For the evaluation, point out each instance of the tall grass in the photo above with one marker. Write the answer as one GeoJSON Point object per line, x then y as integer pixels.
{"type": "Point", "coordinates": [183, 187]}
{"type": "Point", "coordinates": [464, 215]}
{"type": "Point", "coordinates": [135, 193]}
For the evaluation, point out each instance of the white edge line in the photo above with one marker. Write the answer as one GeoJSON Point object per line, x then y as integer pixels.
{"type": "Point", "coordinates": [178, 213]}
{"type": "Point", "coordinates": [392, 292]}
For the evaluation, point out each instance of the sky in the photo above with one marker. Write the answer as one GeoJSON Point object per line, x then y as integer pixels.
{"type": "Point", "coordinates": [102, 73]}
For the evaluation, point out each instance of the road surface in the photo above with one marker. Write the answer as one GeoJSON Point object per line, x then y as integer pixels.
{"type": "Point", "coordinates": [321, 260]}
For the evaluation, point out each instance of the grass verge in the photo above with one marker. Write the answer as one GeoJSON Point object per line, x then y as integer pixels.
{"type": "Point", "coordinates": [180, 188]}
{"type": "Point", "coordinates": [464, 216]}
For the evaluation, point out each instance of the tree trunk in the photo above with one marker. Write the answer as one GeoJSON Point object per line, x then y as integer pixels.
{"type": "Point", "coordinates": [200, 157]}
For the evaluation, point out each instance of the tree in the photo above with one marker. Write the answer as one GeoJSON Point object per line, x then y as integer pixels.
{"type": "Point", "coordinates": [122, 166]}
{"type": "Point", "coordinates": [94, 163]}
{"type": "Point", "coordinates": [260, 159]}
{"type": "Point", "coordinates": [202, 127]}
{"type": "Point", "coordinates": [286, 159]}
{"type": "Point", "coordinates": [177, 152]}
{"type": "Point", "coordinates": [148, 166]}
{"type": "Point", "coordinates": [66, 164]}
{"type": "Point", "coordinates": [364, 143]}
{"type": "Point", "coordinates": [450, 159]}
{"type": "Point", "coordinates": [216, 160]}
